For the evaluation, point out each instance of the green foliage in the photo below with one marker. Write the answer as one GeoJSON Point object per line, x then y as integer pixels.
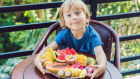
{"type": "Point", "coordinates": [5, 44]}
{"type": "Point", "coordinates": [118, 7]}
{"type": "Point", "coordinates": [8, 20]}
{"type": "Point", "coordinates": [7, 66]}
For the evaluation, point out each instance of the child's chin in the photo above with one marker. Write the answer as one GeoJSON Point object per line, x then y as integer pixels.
{"type": "Point", "coordinates": [76, 27]}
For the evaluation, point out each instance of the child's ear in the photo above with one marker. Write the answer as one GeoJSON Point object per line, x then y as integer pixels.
{"type": "Point", "coordinates": [87, 17]}
{"type": "Point", "coordinates": [63, 22]}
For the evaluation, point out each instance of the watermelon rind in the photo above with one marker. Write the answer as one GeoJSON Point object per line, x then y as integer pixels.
{"type": "Point", "coordinates": [61, 57]}
{"type": "Point", "coordinates": [56, 54]}
{"type": "Point", "coordinates": [62, 61]}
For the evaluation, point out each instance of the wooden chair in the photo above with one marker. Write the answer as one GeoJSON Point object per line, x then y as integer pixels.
{"type": "Point", "coordinates": [107, 35]}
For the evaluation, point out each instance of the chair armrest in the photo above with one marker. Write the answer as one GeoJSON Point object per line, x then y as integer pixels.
{"type": "Point", "coordinates": [116, 37]}
{"type": "Point", "coordinates": [45, 37]}
{"type": "Point", "coordinates": [117, 53]}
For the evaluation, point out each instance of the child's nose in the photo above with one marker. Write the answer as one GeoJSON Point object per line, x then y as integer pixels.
{"type": "Point", "coordinates": [74, 17]}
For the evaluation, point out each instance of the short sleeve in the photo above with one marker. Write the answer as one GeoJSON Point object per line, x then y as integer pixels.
{"type": "Point", "coordinates": [95, 39]}
{"type": "Point", "coordinates": [60, 38]}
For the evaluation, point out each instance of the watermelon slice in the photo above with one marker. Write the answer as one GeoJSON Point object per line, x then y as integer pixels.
{"type": "Point", "coordinates": [67, 51]}
{"type": "Point", "coordinates": [61, 57]}
{"type": "Point", "coordinates": [73, 52]}
{"type": "Point", "coordinates": [60, 51]}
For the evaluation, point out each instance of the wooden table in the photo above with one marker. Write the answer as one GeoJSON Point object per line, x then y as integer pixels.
{"type": "Point", "coordinates": [27, 70]}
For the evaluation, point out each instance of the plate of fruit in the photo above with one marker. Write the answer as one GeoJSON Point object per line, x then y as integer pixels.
{"type": "Point", "coordinates": [67, 63]}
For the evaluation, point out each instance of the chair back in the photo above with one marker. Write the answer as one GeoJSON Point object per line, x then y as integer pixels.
{"type": "Point", "coordinates": [107, 34]}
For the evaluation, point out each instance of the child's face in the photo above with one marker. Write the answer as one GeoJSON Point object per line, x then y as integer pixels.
{"type": "Point", "coordinates": [75, 19]}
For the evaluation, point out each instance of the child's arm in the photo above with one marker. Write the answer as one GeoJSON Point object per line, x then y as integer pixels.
{"type": "Point", "coordinates": [38, 61]}
{"type": "Point", "coordinates": [101, 62]}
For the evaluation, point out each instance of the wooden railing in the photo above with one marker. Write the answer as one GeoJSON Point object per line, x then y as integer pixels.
{"type": "Point", "coordinates": [93, 9]}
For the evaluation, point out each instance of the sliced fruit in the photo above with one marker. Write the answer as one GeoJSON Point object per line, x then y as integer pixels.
{"type": "Point", "coordinates": [78, 71]}
{"type": "Point", "coordinates": [61, 57]}
{"type": "Point", "coordinates": [73, 52]}
{"type": "Point", "coordinates": [56, 54]}
{"type": "Point", "coordinates": [46, 53]}
{"type": "Point", "coordinates": [75, 72]}
{"type": "Point", "coordinates": [60, 73]}
{"type": "Point", "coordinates": [43, 57]}
{"type": "Point", "coordinates": [70, 59]}
{"type": "Point", "coordinates": [67, 51]}
{"type": "Point", "coordinates": [55, 66]}
{"type": "Point", "coordinates": [89, 69]}
{"type": "Point", "coordinates": [51, 53]}
{"type": "Point", "coordinates": [94, 61]}
{"type": "Point", "coordinates": [46, 57]}
{"type": "Point", "coordinates": [82, 59]}
{"type": "Point", "coordinates": [67, 74]}
{"type": "Point", "coordinates": [83, 73]}
{"type": "Point", "coordinates": [60, 51]}
{"type": "Point", "coordinates": [90, 61]}
{"type": "Point", "coordinates": [49, 59]}
{"type": "Point", "coordinates": [72, 72]}
{"type": "Point", "coordinates": [47, 62]}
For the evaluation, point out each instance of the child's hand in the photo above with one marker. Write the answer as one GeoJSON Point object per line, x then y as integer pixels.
{"type": "Point", "coordinates": [99, 70]}
{"type": "Point", "coordinates": [38, 63]}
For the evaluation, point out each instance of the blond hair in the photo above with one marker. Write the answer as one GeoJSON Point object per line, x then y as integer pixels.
{"type": "Point", "coordinates": [67, 5]}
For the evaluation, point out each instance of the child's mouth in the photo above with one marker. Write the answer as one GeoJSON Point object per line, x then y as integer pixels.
{"type": "Point", "coordinates": [75, 23]}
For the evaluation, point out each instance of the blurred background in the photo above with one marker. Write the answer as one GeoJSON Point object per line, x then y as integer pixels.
{"type": "Point", "coordinates": [28, 39]}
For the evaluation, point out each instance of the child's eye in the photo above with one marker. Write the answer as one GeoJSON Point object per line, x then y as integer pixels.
{"type": "Point", "coordinates": [77, 13]}
{"type": "Point", "coordinates": [68, 15]}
